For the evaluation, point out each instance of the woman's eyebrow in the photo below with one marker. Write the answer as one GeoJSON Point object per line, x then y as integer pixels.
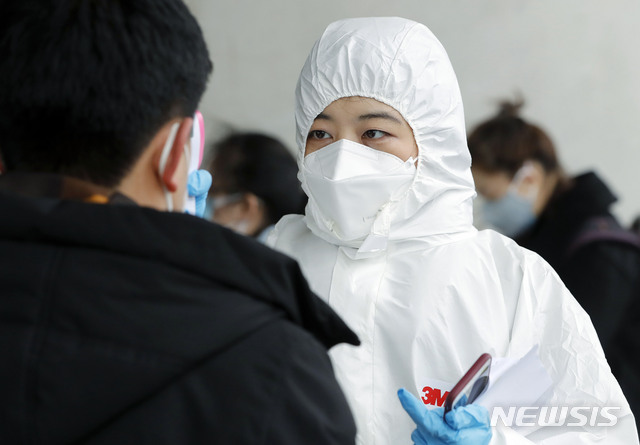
{"type": "Point", "coordinates": [380, 115]}
{"type": "Point", "coordinates": [324, 117]}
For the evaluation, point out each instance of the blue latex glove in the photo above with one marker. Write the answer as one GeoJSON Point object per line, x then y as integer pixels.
{"type": "Point", "coordinates": [464, 425]}
{"type": "Point", "coordinates": [198, 186]}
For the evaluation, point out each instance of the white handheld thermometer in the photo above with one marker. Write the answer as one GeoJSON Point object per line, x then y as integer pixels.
{"type": "Point", "coordinates": [196, 146]}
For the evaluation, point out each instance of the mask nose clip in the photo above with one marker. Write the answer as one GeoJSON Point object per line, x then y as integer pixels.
{"type": "Point", "coordinates": [523, 172]}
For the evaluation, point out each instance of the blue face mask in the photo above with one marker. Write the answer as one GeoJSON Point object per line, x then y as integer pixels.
{"type": "Point", "coordinates": [510, 215]}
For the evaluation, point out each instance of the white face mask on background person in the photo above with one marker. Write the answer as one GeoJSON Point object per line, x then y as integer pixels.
{"type": "Point", "coordinates": [351, 183]}
{"type": "Point", "coordinates": [241, 227]}
{"type": "Point", "coordinates": [219, 201]}
{"type": "Point", "coordinates": [513, 213]}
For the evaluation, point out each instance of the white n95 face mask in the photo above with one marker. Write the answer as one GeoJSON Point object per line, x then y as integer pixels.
{"type": "Point", "coordinates": [349, 185]}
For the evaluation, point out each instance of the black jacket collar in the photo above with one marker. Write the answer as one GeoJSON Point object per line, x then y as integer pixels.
{"type": "Point", "coordinates": [183, 241]}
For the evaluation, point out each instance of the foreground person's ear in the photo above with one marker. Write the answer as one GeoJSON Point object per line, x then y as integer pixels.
{"type": "Point", "coordinates": [172, 152]}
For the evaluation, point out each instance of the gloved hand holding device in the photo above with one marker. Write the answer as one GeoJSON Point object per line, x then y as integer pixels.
{"type": "Point", "coordinates": [458, 421]}
{"type": "Point", "coordinates": [464, 425]}
{"type": "Point", "coordinates": [198, 187]}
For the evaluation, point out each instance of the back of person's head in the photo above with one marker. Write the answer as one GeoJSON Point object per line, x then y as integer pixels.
{"type": "Point", "coordinates": [506, 141]}
{"type": "Point", "coordinates": [261, 165]}
{"type": "Point", "coordinates": [86, 84]}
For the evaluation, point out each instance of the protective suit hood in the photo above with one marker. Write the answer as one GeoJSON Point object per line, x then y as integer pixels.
{"type": "Point", "coordinates": [402, 64]}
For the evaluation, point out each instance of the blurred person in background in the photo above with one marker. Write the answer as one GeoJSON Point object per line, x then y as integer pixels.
{"type": "Point", "coordinates": [526, 194]}
{"type": "Point", "coordinates": [254, 184]}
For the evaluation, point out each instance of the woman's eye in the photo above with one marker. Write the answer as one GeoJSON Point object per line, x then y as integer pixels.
{"type": "Point", "coordinates": [318, 134]}
{"type": "Point", "coordinates": [374, 134]}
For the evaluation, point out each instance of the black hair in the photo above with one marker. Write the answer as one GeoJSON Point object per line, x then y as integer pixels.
{"type": "Point", "coordinates": [505, 141]}
{"type": "Point", "coordinates": [85, 84]}
{"type": "Point", "coordinates": [262, 165]}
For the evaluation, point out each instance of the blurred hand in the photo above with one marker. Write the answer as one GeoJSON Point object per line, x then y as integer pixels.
{"type": "Point", "coordinates": [464, 425]}
{"type": "Point", "coordinates": [198, 187]}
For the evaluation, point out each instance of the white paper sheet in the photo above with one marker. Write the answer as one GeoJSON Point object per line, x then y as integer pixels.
{"type": "Point", "coordinates": [516, 382]}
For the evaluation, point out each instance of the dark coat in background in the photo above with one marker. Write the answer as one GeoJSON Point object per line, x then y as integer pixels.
{"type": "Point", "coordinates": [599, 261]}
{"type": "Point", "coordinates": [124, 325]}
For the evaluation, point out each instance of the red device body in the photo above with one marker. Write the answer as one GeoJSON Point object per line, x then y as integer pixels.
{"type": "Point", "coordinates": [471, 385]}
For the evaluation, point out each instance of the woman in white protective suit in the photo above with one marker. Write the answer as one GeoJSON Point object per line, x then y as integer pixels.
{"type": "Point", "coordinates": [387, 240]}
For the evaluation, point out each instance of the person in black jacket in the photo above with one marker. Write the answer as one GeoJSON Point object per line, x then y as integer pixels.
{"type": "Point", "coordinates": [121, 322]}
{"type": "Point", "coordinates": [525, 194]}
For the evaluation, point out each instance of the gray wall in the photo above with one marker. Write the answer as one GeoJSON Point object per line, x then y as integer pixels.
{"type": "Point", "coordinates": [577, 63]}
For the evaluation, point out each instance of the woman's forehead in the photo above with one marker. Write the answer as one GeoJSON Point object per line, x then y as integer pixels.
{"type": "Point", "coordinates": [357, 106]}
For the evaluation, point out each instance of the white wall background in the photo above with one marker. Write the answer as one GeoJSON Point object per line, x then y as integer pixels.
{"type": "Point", "coordinates": [576, 62]}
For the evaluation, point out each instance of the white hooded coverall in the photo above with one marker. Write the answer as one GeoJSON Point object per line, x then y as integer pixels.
{"type": "Point", "coordinates": [430, 293]}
